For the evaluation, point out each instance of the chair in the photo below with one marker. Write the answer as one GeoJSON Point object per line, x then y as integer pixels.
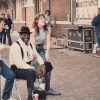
{"type": "Point", "coordinates": [15, 84]}
{"type": "Point", "coordinates": [16, 87]}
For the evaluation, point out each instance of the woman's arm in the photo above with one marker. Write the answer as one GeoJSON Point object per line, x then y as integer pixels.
{"type": "Point", "coordinates": [48, 43]}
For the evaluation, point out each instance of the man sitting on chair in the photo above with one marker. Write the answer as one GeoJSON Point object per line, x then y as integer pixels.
{"type": "Point", "coordinates": [21, 55]}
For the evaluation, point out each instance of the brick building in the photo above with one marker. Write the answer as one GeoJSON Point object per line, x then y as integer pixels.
{"type": "Point", "coordinates": [62, 11]}
{"type": "Point", "coordinates": [23, 12]}
{"type": "Point", "coordinates": [6, 7]}
{"type": "Point", "coordinates": [65, 12]}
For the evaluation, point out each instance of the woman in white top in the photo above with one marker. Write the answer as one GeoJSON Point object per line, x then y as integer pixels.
{"type": "Point", "coordinates": [40, 36]}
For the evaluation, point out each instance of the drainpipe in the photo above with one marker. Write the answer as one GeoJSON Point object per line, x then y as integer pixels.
{"type": "Point", "coordinates": [49, 7]}
{"type": "Point", "coordinates": [25, 16]}
{"type": "Point", "coordinates": [71, 12]}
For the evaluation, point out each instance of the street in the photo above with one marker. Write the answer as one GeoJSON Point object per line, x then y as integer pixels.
{"type": "Point", "coordinates": [73, 24]}
{"type": "Point", "coordinates": [76, 75]}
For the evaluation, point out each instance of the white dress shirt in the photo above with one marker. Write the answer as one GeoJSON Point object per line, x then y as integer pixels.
{"type": "Point", "coordinates": [15, 56]}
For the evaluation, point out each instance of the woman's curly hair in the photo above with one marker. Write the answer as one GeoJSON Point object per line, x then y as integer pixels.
{"type": "Point", "coordinates": [35, 23]}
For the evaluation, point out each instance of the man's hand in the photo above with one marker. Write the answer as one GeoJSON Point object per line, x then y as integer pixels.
{"type": "Point", "coordinates": [43, 69]}
{"type": "Point", "coordinates": [39, 72]}
{"type": "Point", "coordinates": [34, 57]}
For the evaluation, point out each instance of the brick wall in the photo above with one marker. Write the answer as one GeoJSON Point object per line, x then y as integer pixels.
{"type": "Point", "coordinates": [60, 11]}
{"type": "Point", "coordinates": [59, 30]}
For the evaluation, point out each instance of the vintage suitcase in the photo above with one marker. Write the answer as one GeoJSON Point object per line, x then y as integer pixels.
{"type": "Point", "coordinates": [80, 39]}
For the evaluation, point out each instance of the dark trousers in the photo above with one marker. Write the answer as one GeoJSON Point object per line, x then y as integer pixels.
{"type": "Point", "coordinates": [8, 36]}
{"type": "Point", "coordinates": [48, 66]}
{"type": "Point", "coordinates": [9, 76]}
{"type": "Point", "coordinates": [1, 35]}
{"type": "Point", "coordinates": [4, 36]}
{"type": "Point", "coordinates": [26, 74]}
{"type": "Point", "coordinates": [0, 38]}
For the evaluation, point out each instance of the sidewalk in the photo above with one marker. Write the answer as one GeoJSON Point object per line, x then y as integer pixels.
{"type": "Point", "coordinates": [76, 75]}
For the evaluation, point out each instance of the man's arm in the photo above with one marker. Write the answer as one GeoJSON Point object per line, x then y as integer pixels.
{"type": "Point", "coordinates": [96, 20]}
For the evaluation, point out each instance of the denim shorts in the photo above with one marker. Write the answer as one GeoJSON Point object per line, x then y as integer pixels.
{"type": "Point", "coordinates": [40, 49]}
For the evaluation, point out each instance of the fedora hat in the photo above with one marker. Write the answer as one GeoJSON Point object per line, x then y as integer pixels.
{"type": "Point", "coordinates": [25, 30]}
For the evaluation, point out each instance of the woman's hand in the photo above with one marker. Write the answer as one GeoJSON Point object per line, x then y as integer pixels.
{"type": "Point", "coordinates": [43, 69]}
{"type": "Point", "coordinates": [47, 55]}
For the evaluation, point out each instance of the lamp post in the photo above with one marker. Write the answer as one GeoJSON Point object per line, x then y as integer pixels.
{"type": "Point", "coordinates": [71, 11]}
